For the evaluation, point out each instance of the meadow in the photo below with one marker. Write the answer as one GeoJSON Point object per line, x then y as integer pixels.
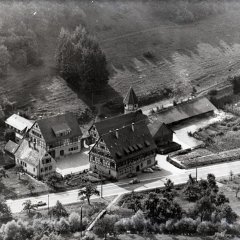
{"type": "Point", "coordinates": [149, 45]}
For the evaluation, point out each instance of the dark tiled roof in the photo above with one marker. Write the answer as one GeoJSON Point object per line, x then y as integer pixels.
{"type": "Point", "coordinates": [119, 121]}
{"type": "Point", "coordinates": [11, 147]}
{"type": "Point", "coordinates": [129, 143]}
{"type": "Point", "coordinates": [131, 97]}
{"type": "Point", "coordinates": [47, 125]}
{"type": "Point", "coordinates": [184, 111]}
{"type": "Point", "coordinates": [155, 126]}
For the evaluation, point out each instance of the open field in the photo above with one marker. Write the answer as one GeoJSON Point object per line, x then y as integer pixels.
{"type": "Point", "coordinates": [197, 43]}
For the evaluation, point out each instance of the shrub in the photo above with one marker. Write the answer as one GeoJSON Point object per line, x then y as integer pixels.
{"type": "Point", "coordinates": [206, 228]}
{"type": "Point", "coordinates": [62, 226]}
{"type": "Point", "coordinates": [186, 225]}
{"type": "Point", "coordinates": [149, 55]}
{"type": "Point", "coordinates": [74, 221]}
{"type": "Point", "coordinates": [235, 128]}
{"type": "Point", "coordinates": [213, 92]}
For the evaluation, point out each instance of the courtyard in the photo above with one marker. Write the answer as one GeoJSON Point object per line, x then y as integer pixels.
{"type": "Point", "coordinates": [74, 163]}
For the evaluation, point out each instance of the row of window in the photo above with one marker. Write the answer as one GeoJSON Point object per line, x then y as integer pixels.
{"type": "Point", "coordinates": [36, 134]}
{"type": "Point", "coordinates": [73, 149]}
{"type": "Point", "coordinates": [23, 164]}
{"type": "Point", "coordinates": [45, 161]}
{"type": "Point", "coordinates": [46, 169]}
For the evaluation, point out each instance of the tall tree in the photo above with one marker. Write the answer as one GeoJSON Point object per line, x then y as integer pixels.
{"type": "Point", "coordinates": [88, 191]}
{"type": "Point", "coordinates": [80, 60]}
{"type": "Point", "coordinates": [5, 213]}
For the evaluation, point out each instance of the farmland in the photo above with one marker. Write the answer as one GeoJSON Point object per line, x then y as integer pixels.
{"type": "Point", "coordinates": [166, 41]}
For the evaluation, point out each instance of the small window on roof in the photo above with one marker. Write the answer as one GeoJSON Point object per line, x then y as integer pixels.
{"type": "Point", "coordinates": [131, 148]}
{"type": "Point", "coordinates": [140, 146]}
{"type": "Point", "coordinates": [126, 150]}
{"type": "Point", "coordinates": [147, 143]}
{"type": "Point", "coordinates": [135, 147]}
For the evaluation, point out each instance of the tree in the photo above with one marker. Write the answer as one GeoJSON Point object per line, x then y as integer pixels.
{"type": "Point", "coordinates": [28, 206]}
{"type": "Point", "coordinates": [191, 189]}
{"type": "Point", "coordinates": [212, 184]}
{"type": "Point", "coordinates": [58, 210]}
{"type": "Point", "coordinates": [31, 187]}
{"type": "Point", "coordinates": [5, 213]}
{"type": "Point", "coordinates": [88, 191]}
{"type": "Point", "coordinates": [4, 60]}
{"type": "Point", "coordinates": [182, 88]}
{"type": "Point", "coordinates": [105, 225]}
{"type": "Point", "coordinates": [80, 60]}
{"type": "Point", "coordinates": [52, 180]}
{"type": "Point", "coordinates": [204, 208]}
{"type": "Point", "coordinates": [169, 185]}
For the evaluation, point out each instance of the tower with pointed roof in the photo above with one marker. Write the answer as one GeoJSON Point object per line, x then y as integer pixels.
{"type": "Point", "coordinates": [130, 101]}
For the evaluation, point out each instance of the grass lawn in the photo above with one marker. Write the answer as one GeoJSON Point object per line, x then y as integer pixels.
{"type": "Point", "coordinates": [13, 187]}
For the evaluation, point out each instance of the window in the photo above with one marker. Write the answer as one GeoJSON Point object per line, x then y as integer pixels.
{"type": "Point", "coordinates": [46, 168]}
{"type": "Point", "coordinates": [42, 170]}
{"type": "Point", "coordinates": [43, 161]}
{"type": "Point", "coordinates": [48, 160]}
{"type": "Point", "coordinates": [101, 160]}
{"type": "Point", "coordinates": [34, 169]}
{"type": "Point", "coordinates": [149, 162]}
{"type": "Point", "coordinates": [50, 168]}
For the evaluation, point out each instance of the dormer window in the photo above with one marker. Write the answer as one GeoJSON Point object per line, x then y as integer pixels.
{"type": "Point", "coordinates": [61, 130]}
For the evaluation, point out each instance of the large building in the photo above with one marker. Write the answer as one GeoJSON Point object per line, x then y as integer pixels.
{"type": "Point", "coordinates": [122, 144]}
{"type": "Point", "coordinates": [59, 135]}
{"type": "Point", "coordinates": [124, 150]}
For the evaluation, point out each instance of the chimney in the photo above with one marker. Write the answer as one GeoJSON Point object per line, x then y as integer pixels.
{"type": "Point", "coordinates": [133, 127]}
{"type": "Point", "coordinates": [116, 133]}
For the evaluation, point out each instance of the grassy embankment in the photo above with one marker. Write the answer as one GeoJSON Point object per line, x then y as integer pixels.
{"type": "Point", "coordinates": [149, 45]}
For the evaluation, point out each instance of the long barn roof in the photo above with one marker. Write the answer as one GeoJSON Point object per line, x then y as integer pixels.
{"type": "Point", "coordinates": [184, 111]}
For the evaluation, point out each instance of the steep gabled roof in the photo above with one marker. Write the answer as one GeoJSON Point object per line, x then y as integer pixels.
{"type": "Point", "coordinates": [119, 121]}
{"type": "Point", "coordinates": [131, 97]}
{"type": "Point", "coordinates": [30, 155]}
{"type": "Point", "coordinates": [19, 122]}
{"type": "Point", "coordinates": [11, 147]}
{"type": "Point", "coordinates": [155, 126]}
{"type": "Point", "coordinates": [49, 125]}
{"type": "Point", "coordinates": [129, 143]}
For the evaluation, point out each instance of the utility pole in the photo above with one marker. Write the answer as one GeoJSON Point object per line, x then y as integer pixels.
{"type": "Point", "coordinates": [196, 169]}
{"type": "Point", "coordinates": [81, 220]}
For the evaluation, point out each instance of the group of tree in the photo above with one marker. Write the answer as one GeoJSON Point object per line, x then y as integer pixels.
{"type": "Point", "coordinates": [159, 212]}
{"type": "Point", "coordinates": [80, 60]}
{"type": "Point", "coordinates": [18, 48]}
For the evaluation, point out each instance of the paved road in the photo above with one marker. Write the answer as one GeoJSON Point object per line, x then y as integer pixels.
{"type": "Point", "coordinates": [111, 189]}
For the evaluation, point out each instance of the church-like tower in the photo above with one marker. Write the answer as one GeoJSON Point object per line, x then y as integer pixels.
{"type": "Point", "coordinates": [130, 101]}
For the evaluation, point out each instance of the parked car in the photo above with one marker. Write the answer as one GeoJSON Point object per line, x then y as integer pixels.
{"type": "Point", "coordinates": [134, 181]}
{"type": "Point", "coordinates": [147, 170]}
{"type": "Point", "coordinates": [40, 204]}
{"type": "Point", "coordinates": [156, 168]}
{"type": "Point", "coordinates": [130, 175]}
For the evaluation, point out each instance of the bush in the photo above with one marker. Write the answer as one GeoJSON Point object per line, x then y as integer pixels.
{"type": "Point", "coordinates": [186, 225]}
{"type": "Point", "coordinates": [213, 92]}
{"type": "Point", "coordinates": [206, 228]}
{"type": "Point", "coordinates": [74, 222]}
{"type": "Point", "coordinates": [62, 226]}
{"type": "Point", "coordinates": [149, 55]}
{"type": "Point", "coordinates": [235, 128]}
